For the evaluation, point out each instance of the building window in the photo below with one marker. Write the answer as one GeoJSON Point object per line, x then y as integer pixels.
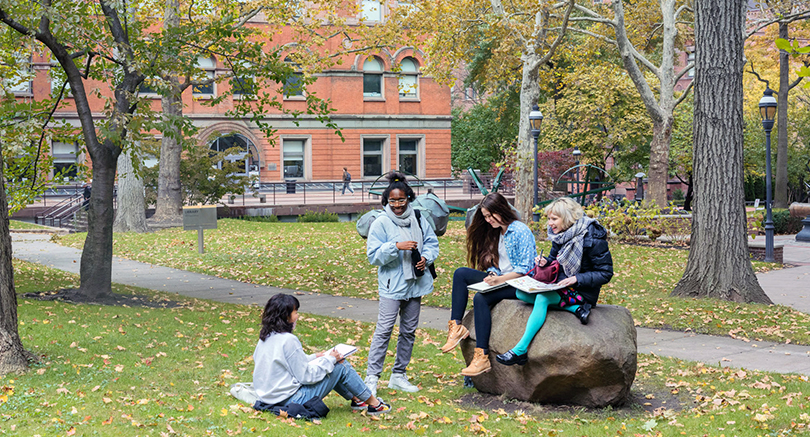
{"type": "Point", "coordinates": [372, 77]}
{"type": "Point", "coordinates": [690, 58]}
{"type": "Point", "coordinates": [408, 156]}
{"type": "Point", "coordinates": [293, 158]}
{"type": "Point", "coordinates": [293, 84]}
{"type": "Point", "coordinates": [372, 10]}
{"type": "Point", "coordinates": [373, 156]}
{"type": "Point", "coordinates": [65, 160]}
{"type": "Point", "coordinates": [469, 93]}
{"type": "Point", "coordinates": [242, 84]}
{"type": "Point", "coordinates": [240, 150]}
{"type": "Point", "coordinates": [20, 83]}
{"type": "Point", "coordinates": [408, 79]}
{"type": "Point", "coordinates": [206, 87]}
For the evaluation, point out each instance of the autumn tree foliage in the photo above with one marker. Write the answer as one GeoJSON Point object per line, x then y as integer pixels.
{"type": "Point", "coordinates": [523, 36]}
{"type": "Point", "coordinates": [718, 265]}
{"type": "Point", "coordinates": [646, 34]}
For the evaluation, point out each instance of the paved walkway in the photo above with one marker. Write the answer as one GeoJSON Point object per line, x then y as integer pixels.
{"type": "Point", "coordinates": [786, 286]}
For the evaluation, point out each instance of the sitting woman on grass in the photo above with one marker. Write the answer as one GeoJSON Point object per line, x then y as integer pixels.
{"type": "Point", "coordinates": [579, 244]}
{"type": "Point", "coordinates": [285, 375]}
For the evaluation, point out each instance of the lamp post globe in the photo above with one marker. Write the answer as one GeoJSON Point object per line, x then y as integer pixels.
{"type": "Point", "coordinates": [767, 110]}
{"type": "Point", "coordinates": [535, 120]}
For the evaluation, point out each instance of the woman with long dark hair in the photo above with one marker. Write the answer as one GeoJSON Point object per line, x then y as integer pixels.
{"type": "Point", "coordinates": [499, 247]}
{"type": "Point", "coordinates": [402, 246]}
{"type": "Point", "coordinates": [283, 374]}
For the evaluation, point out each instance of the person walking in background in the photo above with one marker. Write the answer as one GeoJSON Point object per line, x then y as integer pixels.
{"type": "Point", "coordinates": [86, 195]}
{"type": "Point", "coordinates": [347, 182]}
{"type": "Point", "coordinates": [401, 246]}
{"type": "Point", "coordinates": [283, 374]}
{"type": "Point", "coordinates": [579, 244]}
{"type": "Point", "coordinates": [499, 247]}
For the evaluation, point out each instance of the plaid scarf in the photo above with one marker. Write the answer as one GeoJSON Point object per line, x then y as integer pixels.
{"type": "Point", "coordinates": [570, 256]}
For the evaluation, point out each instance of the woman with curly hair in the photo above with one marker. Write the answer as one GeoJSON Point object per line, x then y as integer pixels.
{"type": "Point", "coordinates": [499, 247]}
{"type": "Point", "coordinates": [402, 246]}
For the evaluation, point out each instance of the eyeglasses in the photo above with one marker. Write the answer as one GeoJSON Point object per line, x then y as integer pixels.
{"type": "Point", "coordinates": [397, 201]}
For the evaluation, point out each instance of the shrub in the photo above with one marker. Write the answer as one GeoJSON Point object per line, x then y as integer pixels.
{"type": "Point", "coordinates": [784, 224]}
{"type": "Point", "coordinates": [261, 218]}
{"type": "Point", "coordinates": [318, 217]}
{"type": "Point", "coordinates": [627, 221]}
{"type": "Point", "coordinates": [678, 195]}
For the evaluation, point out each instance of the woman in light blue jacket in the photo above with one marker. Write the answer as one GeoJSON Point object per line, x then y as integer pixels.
{"type": "Point", "coordinates": [402, 246]}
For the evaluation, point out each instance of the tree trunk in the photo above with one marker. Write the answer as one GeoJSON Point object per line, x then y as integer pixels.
{"type": "Point", "coordinates": [96, 265]}
{"type": "Point", "coordinates": [718, 265]}
{"type": "Point", "coordinates": [659, 160]}
{"type": "Point", "coordinates": [12, 354]}
{"type": "Point", "coordinates": [169, 205]}
{"type": "Point", "coordinates": [131, 215]}
{"type": "Point", "coordinates": [780, 193]}
{"type": "Point", "coordinates": [529, 91]}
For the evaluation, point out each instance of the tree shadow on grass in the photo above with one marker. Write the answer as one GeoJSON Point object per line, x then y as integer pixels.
{"type": "Point", "coordinates": [72, 295]}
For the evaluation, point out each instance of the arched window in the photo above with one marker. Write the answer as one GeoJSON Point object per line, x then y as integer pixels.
{"type": "Point", "coordinates": [372, 77]}
{"type": "Point", "coordinates": [293, 85]}
{"type": "Point", "coordinates": [206, 89]}
{"type": "Point", "coordinates": [408, 79]}
{"type": "Point", "coordinates": [241, 150]}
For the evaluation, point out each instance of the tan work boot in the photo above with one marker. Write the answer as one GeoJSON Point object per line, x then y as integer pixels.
{"type": "Point", "coordinates": [455, 334]}
{"type": "Point", "coordinates": [480, 364]}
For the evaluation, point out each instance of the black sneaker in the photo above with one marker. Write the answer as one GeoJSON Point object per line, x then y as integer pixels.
{"type": "Point", "coordinates": [510, 358]}
{"type": "Point", "coordinates": [359, 406]}
{"type": "Point", "coordinates": [379, 409]}
{"type": "Point", "coordinates": [583, 312]}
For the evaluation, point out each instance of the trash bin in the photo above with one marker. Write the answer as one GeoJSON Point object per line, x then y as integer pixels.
{"type": "Point", "coordinates": [290, 186]}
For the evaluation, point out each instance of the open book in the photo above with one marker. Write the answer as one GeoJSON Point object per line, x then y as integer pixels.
{"type": "Point", "coordinates": [531, 285]}
{"type": "Point", "coordinates": [345, 349]}
{"type": "Point", "coordinates": [483, 287]}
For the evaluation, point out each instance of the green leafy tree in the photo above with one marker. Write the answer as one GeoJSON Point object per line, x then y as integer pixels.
{"type": "Point", "coordinates": [481, 133]}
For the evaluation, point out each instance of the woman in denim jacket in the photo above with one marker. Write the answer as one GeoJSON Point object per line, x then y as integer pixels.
{"type": "Point", "coordinates": [499, 247]}
{"type": "Point", "coordinates": [396, 240]}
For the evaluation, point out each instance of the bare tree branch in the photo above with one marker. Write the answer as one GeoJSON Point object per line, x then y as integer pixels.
{"type": "Point", "coordinates": [684, 95]}
{"type": "Point", "coordinates": [765, 81]}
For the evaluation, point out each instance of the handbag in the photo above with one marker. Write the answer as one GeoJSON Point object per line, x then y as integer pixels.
{"type": "Point", "coordinates": [547, 273]}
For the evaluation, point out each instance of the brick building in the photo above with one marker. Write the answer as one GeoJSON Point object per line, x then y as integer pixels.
{"type": "Point", "coordinates": [391, 116]}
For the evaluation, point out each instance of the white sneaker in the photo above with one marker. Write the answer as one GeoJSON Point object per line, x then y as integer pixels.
{"type": "Point", "coordinates": [399, 381]}
{"type": "Point", "coordinates": [371, 383]}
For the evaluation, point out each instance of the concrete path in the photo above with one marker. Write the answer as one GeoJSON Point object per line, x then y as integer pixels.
{"type": "Point", "coordinates": [787, 286]}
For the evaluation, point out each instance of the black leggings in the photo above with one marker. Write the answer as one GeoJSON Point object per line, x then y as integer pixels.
{"type": "Point", "coordinates": [482, 303]}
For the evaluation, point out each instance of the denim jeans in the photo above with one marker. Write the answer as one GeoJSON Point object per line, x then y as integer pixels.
{"type": "Point", "coordinates": [344, 380]}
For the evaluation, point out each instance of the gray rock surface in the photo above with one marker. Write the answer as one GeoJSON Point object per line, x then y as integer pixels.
{"type": "Point", "coordinates": [590, 365]}
{"type": "Point", "coordinates": [799, 209]}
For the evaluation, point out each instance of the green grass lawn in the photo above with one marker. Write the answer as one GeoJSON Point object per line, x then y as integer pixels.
{"type": "Point", "coordinates": [132, 371]}
{"type": "Point", "coordinates": [16, 224]}
{"type": "Point", "coordinates": [331, 258]}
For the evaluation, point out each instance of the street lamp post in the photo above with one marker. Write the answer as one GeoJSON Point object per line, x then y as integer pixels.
{"type": "Point", "coordinates": [767, 110]}
{"type": "Point", "coordinates": [535, 119]}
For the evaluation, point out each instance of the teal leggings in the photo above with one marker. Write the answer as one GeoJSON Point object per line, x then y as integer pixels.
{"type": "Point", "coordinates": [542, 302]}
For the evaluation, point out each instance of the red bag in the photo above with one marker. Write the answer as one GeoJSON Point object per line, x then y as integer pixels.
{"type": "Point", "coordinates": [547, 273]}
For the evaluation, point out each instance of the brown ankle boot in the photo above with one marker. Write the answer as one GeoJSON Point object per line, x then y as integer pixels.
{"type": "Point", "coordinates": [480, 364]}
{"type": "Point", "coordinates": [455, 334]}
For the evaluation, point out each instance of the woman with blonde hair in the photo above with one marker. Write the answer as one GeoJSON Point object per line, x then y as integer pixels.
{"type": "Point", "coordinates": [579, 244]}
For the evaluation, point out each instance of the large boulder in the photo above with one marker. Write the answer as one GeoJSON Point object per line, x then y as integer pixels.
{"type": "Point", "coordinates": [591, 365]}
{"type": "Point", "coordinates": [799, 209]}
